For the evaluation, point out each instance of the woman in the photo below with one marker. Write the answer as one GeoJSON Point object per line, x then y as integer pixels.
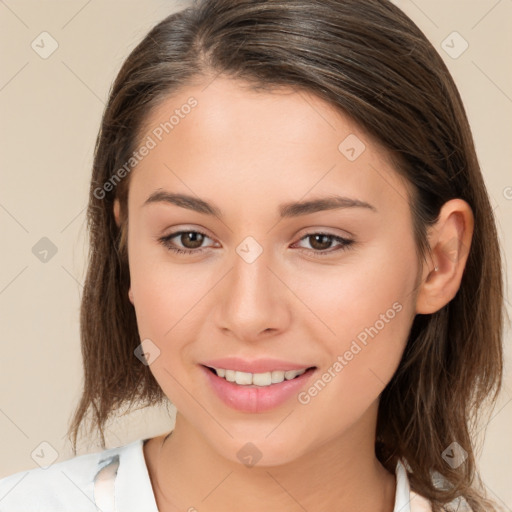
{"type": "Point", "coordinates": [291, 241]}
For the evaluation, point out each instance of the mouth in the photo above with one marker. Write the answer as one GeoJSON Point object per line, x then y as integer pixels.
{"type": "Point", "coordinates": [264, 379]}
{"type": "Point", "coordinates": [257, 392]}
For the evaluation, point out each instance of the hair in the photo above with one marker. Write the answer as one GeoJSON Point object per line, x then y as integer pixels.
{"type": "Point", "coordinates": [369, 61]}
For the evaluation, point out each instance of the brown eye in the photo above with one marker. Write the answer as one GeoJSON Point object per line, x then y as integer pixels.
{"type": "Point", "coordinates": [321, 242]}
{"type": "Point", "coordinates": [191, 239]}
{"type": "Point", "coordinates": [185, 242]}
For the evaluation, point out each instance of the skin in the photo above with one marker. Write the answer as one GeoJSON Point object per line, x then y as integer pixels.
{"type": "Point", "coordinates": [247, 152]}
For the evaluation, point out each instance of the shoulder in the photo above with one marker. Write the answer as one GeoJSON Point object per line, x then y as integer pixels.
{"type": "Point", "coordinates": [62, 486]}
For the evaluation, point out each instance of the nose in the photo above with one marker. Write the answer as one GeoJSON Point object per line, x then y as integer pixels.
{"type": "Point", "coordinates": [252, 300]}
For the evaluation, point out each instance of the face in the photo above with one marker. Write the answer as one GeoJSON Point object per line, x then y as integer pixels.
{"type": "Point", "coordinates": [273, 280]}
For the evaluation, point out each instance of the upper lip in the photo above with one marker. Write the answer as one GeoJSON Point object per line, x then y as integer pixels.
{"type": "Point", "coordinates": [255, 365]}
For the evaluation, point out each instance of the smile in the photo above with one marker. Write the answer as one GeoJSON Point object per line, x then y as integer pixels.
{"type": "Point", "coordinates": [257, 379]}
{"type": "Point", "coordinates": [260, 391]}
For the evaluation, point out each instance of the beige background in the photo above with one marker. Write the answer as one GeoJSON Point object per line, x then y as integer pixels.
{"type": "Point", "coordinates": [50, 114]}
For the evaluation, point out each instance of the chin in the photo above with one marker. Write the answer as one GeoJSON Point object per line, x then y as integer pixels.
{"type": "Point", "coordinates": [260, 451]}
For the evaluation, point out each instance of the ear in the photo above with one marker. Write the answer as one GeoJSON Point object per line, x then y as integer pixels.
{"type": "Point", "coordinates": [117, 211]}
{"type": "Point", "coordinates": [450, 240]}
{"type": "Point", "coordinates": [117, 217]}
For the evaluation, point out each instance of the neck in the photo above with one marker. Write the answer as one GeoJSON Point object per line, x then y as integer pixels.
{"type": "Point", "coordinates": [342, 474]}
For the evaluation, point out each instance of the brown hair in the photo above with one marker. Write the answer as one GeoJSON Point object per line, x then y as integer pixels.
{"type": "Point", "coordinates": [370, 61]}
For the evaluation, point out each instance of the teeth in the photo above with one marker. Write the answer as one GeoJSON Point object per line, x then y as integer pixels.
{"type": "Point", "coordinates": [243, 378]}
{"type": "Point", "coordinates": [277, 376]}
{"type": "Point", "coordinates": [258, 379]}
{"type": "Point", "coordinates": [262, 379]}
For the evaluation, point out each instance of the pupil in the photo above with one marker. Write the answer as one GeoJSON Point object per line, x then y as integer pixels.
{"type": "Point", "coordinates": [195, 243]}
{"type": "Point", "coordinates": [325, 245]}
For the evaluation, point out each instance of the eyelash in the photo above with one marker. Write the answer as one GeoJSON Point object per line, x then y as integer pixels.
{"type": "Point", "coordinates": [166, 242]}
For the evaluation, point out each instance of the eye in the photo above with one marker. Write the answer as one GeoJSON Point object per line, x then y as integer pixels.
{"type": "Point", "coordinates": [323, 241]}
{"type": "Point", "coordinates": [192, 240]}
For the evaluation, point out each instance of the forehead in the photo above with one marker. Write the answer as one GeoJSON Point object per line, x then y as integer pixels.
{"type": "Point", "coordinates": [225, 138]}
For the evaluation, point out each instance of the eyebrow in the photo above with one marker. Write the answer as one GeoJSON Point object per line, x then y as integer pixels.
{"type": "Point", "coordinates": [286, 210]}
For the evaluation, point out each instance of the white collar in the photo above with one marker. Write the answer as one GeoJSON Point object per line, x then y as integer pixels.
{"type": "Point", "coordinates": [405, 499]}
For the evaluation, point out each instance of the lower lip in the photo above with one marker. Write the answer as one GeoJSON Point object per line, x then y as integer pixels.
{"type": "Point", "coordinates": [252, 398]}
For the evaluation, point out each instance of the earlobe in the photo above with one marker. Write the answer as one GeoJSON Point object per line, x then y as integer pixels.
{"type": "Point", "coordinates": [130, 294]}
{"type": "Point", "coordinates": [450, 240]}
{"type": "Point", "coordinates": [117, 211]}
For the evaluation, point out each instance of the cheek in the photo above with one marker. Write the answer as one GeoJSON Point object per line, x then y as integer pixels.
{"type": "Point", "coordinates": [162, 299]}
{"type": "Point", "coordinates": [359, 361]}
{"type": "Point", "coordinates": [368, 308]}
{"type": "Point", "coordinates": [351, 297]}
{"type": "Point", "coordinates": [165, 294]}
{"type": "Point", "coordinates": [168, 302]}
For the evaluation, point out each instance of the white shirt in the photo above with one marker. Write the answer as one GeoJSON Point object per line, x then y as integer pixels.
{"type": "Point", "coordinates": [117, 480]}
